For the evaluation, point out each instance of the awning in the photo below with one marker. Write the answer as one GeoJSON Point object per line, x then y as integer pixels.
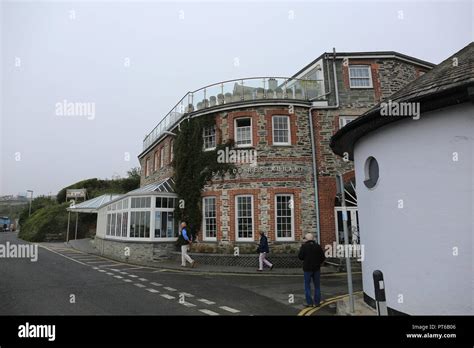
{"type": "Point", "coordinates": [94, 204]}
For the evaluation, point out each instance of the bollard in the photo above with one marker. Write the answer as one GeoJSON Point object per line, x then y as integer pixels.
{"type": "Point", "coordinates": [379, 287]}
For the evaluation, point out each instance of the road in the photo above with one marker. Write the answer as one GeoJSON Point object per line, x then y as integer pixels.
{"type": "Point", "coordinates": [67, 282]}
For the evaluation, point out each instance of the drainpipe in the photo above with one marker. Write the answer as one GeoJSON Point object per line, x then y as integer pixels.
{"type": "Point", "coordinates": [313, 147]}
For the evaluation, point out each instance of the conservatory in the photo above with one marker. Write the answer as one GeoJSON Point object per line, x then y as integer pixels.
{"type": "Point", "coordinates": [144, 214]}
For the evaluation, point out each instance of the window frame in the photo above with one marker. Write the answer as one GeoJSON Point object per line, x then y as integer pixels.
{"type": "Point", "coordinates": [171, 150]}
{"type": "Point", "coordinates": [147, 167]}
{"type": "Point", "coordinates": [204, 136]}
{"type": "Point", "coordinates": [236, 129]}
{"type": "Point", "coordinates": [155, 161]}
{"type": "Point", "coordinates": [371, 179]}
{"type": "Point", "coordinates": [204, 229]}
{"type": "Point", "coordinates": [292, 198]}
{"type": "Point", "coordinates": [162, 157]}
{"type": "Point", "coordinates": [236, 222]}
{"type": "Point", "coordinates": [275, 143]}
{"type": "Point", "coordinates": [368, 67]}
{"type": "Point", "coordinates": [345, 118]}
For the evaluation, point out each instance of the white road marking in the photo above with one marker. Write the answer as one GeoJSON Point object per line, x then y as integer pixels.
{"type": "Point", "coordinates": [115, 270]}
{"type": "Point", "coordinates": [229, 309]}
{"type": "Point", "coordinates": [127, 280]}
{"type": "Point", "coordinates": [152, 290]}
{"type": "Point", "coordinates": [169, 297]}
{"type": "Point", "coordinates": [143, 279]}
{"type": "Point", "coordinates": [86, 258]}
{"type": "Point", "coordinates": [102, 270]}
{"type": "Point", "coordinates": [187, 304]}
{"type": "Point", "coordinates": [110, 265]}
{"type": "Point", "coordinates": [94, 262]}
{"type": "Point", "coordinates": [133, 276]}
{"type": "Point", "coordinates": [208, 312]}
{"type": "Point", "coordinates": [169, 289]}
{"type": "Point", "coordinates": [67, 257]}
{"type": "Point", "coordinates": [108, 273]}
{"type": "Point", "coordinates": [119, 277]}
{"type": "Point", "coordinates": [156, 284]}
{"type": "Point", "coordinates": [139, 285]}
{"type": "Point", "coordinates": [203, 300]}
{"type": "Point", "coordinates": [186, 294]}
{"type": "Point", "coordinates": [125, 273]}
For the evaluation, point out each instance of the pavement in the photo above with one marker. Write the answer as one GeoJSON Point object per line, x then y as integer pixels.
{"type": "Point", "coordinates": [87, 245]}
{"type": "Point", "coordinates": [66, 281]}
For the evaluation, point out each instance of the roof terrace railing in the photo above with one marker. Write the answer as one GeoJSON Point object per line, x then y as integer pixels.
{"type": "Point", "coordinates": [235, 91]}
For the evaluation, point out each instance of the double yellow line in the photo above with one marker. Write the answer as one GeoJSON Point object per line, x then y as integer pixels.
{"type": "Point", "coordinates": [311, 310]}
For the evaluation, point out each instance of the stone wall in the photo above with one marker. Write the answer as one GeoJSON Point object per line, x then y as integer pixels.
{"type": "Point", "coordinates": [388, 76]}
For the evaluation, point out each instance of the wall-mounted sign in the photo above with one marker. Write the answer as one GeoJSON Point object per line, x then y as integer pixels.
{"type": "Point", "coordinates": [76, 193]}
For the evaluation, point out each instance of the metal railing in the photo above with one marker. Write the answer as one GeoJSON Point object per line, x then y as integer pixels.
{"type": "Point", "coordinates": [234, 91]}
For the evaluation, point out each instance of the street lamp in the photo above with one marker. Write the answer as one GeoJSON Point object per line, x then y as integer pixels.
{"type": "Point", "coordinates": [31, 198]}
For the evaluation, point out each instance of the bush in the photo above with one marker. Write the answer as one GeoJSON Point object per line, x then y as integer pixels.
{"type": "Point", "coordinates": [37, 204]}
{"type": "Point", "coordinates": [50, 216]}
{"type": "Point", "coordinates": [47, 220]}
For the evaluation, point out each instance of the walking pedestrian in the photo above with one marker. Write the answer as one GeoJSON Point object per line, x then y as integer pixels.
{"type": "Point", "coordinates": [313, 257]}
{"type": "Point", "coordinates": [185, 241]}
{"type": "Point", "coordinates": [263, 250]}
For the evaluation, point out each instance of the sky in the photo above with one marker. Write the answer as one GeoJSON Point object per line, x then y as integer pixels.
{"type": "Point", "coordinates": [132, 61]}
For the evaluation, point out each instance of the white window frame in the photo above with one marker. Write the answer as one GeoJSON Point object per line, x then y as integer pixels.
{"type": "Point", "coordinates": [273, 131]}
{"type": "Point", "coordinates": [287, 239]}
{"type": "Point", "coordinates": [344, 120]}
{"type": "Point", "coordinates": [162, 157]}
{"type": "Point", "coordinates": [251, 131]}
{"type": "Point", "coordinates": [361, 78]}
{"type": "Point", "coordinates": [204, 234]}
{"type": "Point", "coordinates": [236, 222]}
{"type": "Point", "coordinates": [115, 210]}
{"type": "Point", "coordinates": [204, 136]}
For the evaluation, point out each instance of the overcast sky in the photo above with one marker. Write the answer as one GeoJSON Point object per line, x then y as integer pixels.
{"type": "Point", "coordinates": [53, 51]}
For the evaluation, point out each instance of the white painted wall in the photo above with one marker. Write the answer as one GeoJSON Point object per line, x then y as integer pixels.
{"type": "Point", "coordinates": [101, 222]}
{"type": "Point", "coordinates": [413, 246]}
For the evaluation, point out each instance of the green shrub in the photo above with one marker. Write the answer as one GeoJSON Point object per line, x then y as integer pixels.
{"type": "Point", "coordinates": [51, 219]}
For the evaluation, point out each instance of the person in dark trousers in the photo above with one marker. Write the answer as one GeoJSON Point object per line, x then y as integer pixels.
{"type": "Point", "coordinates": [263, 250]}
{"type": "Point", "coordinates": [313, 257]}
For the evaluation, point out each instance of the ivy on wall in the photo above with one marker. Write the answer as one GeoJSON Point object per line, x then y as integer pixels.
{"type": "Point", "coordinates": [193, 167]}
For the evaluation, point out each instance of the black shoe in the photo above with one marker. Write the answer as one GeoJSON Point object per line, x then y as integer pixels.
{"type": "Point", "coordinates": [271, 268]}
{"type": "Point", "coordinates": [309, 305]}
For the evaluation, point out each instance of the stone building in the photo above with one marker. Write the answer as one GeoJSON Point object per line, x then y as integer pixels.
{"type": "Point", "coordinates": [287, 123]}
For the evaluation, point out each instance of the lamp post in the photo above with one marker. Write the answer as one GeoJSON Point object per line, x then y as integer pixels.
{"type": "Point", "coordinates": [31, 198]}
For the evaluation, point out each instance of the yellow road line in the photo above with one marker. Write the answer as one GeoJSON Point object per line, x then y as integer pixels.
{"type": "Point", "coordinates": [304, 311]}
{"type": "Point", "coordinates": [327, 302]}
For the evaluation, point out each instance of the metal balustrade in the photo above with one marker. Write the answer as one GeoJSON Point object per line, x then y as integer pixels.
{"type": "Point", "coordinates": [236, 91]}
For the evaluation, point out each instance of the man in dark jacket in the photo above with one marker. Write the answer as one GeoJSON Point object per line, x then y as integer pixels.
{"type": "Point", "coordinates": [313, 257]}
{"type": "Point", "coordinates": [263, 250]}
